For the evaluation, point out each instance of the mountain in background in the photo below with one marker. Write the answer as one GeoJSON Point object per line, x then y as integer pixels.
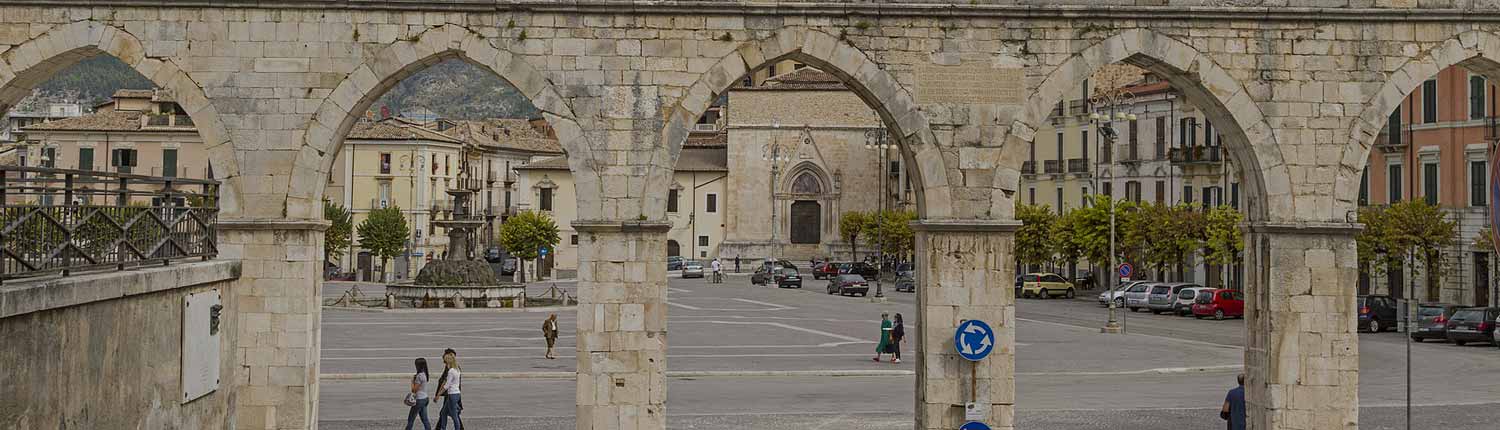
{"type": "Point", "coordinates": [452, 89]}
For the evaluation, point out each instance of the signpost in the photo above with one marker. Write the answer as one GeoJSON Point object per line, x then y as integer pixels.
{"type": "Point", "coordinates": [1125, 270]}
{"type": "Point", "coordinates": [974, 340]}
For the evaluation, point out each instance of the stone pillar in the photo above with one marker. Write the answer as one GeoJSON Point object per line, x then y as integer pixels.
{"type": "Point", "coordinates": [277, 315]}
{"type": "Point", "coordinates": [622, 325]}
{"type": "Point", "coordinates": [1302, 353]}
{"type": "Point", "coordinates": [964, 272]}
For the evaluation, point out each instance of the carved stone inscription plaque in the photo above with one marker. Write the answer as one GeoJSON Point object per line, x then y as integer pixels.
{"type": "Point", "coordinates": [969, 82]}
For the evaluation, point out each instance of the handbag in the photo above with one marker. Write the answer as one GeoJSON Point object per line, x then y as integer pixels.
{"type": "Point", "coordinates": [411, 399]}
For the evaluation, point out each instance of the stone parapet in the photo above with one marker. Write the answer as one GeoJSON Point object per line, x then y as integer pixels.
{"type": "Point", "coordinates": [1302, 353]}
{"type": "Point", "coordinates": [964, 272]}
{"type": "Point", "coordinates": [27, 296]}
{"type": "Point", "coordinates": [622, 325]}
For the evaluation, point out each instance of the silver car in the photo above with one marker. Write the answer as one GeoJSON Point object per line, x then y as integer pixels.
{"type": "Point", "coordinates": [692, 269]}
{"type": "Point", "coordinates": [1163, 297]}
{"type": "Point", "coordinates": [1136, 297]}
{"type": "Point", "coordinates": [1117, 294]}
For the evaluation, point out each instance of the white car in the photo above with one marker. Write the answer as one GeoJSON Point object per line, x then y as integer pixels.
{"type": "Point", "coordinates": [1184, 304]}
{"type": "Point", "coordinates": [1117, 294]}
{"type": "Point", "coordinates": [1138, 295]}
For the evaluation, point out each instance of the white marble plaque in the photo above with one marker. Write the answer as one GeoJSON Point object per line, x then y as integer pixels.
{"type": "Point", "coordinates": [200, 344]}
{"type": "Point", "coordinates": [969, 82]}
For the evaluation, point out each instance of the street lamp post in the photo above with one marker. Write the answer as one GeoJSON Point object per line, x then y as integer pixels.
{"type": "Point", "coordinates": [1111, 96]}
{"type": "Point", "coordinates": [876, 140]}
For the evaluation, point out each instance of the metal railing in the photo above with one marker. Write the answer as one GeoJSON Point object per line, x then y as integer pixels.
{"type": "Point", "coordinates": [1078, 165]}
{"type": "Point", "coordinates": [1195, 154]}
{"type": "Point", "coordinates": [1028, 167]}
{"type": "Point", "coordinates": [62, 221]}
{"type": "Point", "coordinates": [1052, 167]}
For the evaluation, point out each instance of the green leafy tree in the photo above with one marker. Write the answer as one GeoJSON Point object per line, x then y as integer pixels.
{"type": "Point", "coordinates": [1034, 243]}
{"type": "Point", "coordinates": [1223, 240]}
{"type": "Point", "coordinates": [384, 233]}
{"type": "Point", "coordinates": [1484, 240]}
{"type": "Point", "coordinates": [1373, 243]}
{"type": "Point", "coordinates": [1090, 227]}
{"type": "Point", "coordinates": [893, 232]}
{"type": "Point", "coordinates": [526, 233]}
{"type": "Point", "coordinates": [336, 239]}
{"type": "Point", "coordinates": [1422, 231]}
{"type": "Point", "coordinates": [1064, 239]}
{"type": "Point", "coordinates": [851, 225]}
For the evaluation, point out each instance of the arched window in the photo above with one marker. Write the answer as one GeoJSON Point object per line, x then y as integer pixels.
{"type": "Point", "coordinates": [807, 183]}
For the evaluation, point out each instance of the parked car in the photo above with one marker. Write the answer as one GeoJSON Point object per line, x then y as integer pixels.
{"type": "Point", "coordinates": [330, 271]}
{"type": "Point", "coordinates": [1138, 295]}
{"type": "Point", "coordinates": [493, 254]}
{"type": "Point", "coordinates": [674, 262]}
{"type": "Point", "coordinates": [1432, 321]}
{"type": "Point", "coordinates": [1376, 313]}
{"type": "Point", "coordinates": [1046, 285]}
{"type": "Point", "coordinates": [827, 270]}
{"type": "Point", "coordinates": [1117, 294]}
{"type": "Point", "coordinates": [1219, 303]}
{"type": "Point", "coordinates": [788, 278]}
{"type": "Point", "coordinates": [692, 269]}
{"type": "Point", "coordinates": [1473, 325]}
{"type": "Point", "coordinates": [848, 284]}
{"type": "Point", "coordinates": [860, 268]}
{"type": "Point", "coordinates": [817, 269]}
{"type": "Point", "coordinates": [1163, 297]}
{"type": "Point", "coordinates": [906, 280]}
{"type": "Point", "coordinates": [1184, 304]}
{"type": "Point", "coordinates": [508, 267]}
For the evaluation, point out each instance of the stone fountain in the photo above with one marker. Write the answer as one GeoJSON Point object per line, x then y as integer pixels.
{"type": "Point", "coordinates": [458, 280]}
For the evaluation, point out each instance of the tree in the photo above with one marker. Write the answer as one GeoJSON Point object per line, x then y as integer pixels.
{"type": "Point", "coordinates": [384, 233]}
{"type": "Point", "coordinates": [1223, 240]}
{"type": "Point", "coordinates": [337, 238]}
{"type": "Point", "coordinates": [1034, 243]}
{"type": "Point", "coordinates": [1485, 239]}
{"type": "Point", "coordinates": [1064, 238]}
{"type": "Point", "coordinates": [1421, 231]}
{"type": "Point", "coordinates": [1090, 230]}
{"type": "Point", "coordinates": [851, 225]}
{"type": "Point", "coordinates": [891, 232]}
{"type": "Point", "coordinates": [525, 234]}
{"type": "Point", "coordinates": [1373, 245]}
{"type": "Point", "coordinates": [1159, 235]}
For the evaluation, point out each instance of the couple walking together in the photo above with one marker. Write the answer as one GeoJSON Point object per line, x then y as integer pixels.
{"type": "Point", "coordinates": [447, 389]}
{"type": "Point", "coordinates": [891, 336]}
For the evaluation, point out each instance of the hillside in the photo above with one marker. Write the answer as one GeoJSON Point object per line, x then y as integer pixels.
{"type": "Point", "coordinates": [451, 89]}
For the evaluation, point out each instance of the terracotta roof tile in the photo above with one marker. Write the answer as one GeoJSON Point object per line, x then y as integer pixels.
{"type": "Point", "coordinates": [391, 130]}
{"type": "Point", "coordinates": [505, 133]}
{"type": "Point", "coordinates": [692, 159]}
{"type": "Point", "coordinates": [103, 121]}
{"type": "Point", "coordinates": [803, 79]}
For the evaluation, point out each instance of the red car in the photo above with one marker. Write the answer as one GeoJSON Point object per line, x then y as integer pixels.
{"type": "Point", "coordinates": [826, 270]}
{"type": "Point", "coordinates": [1219, 303]}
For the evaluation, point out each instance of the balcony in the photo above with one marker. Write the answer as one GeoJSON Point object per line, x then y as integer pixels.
{"type": "Point", "coordinates": [1386, 145]}
{"type": "Point", "coordinates": [63, 220]}
{"type": "Point", "coordinates": [1052, 167]}
{"type": "Point", "coordinates": [1196, 155]}
{"type": "Point", "coordinates": [1078, 165]}
{"type": "Point", "coordinates": [1028, 167]}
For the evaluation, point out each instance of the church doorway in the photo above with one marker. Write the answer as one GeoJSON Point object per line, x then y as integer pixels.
{"type": "Point", "coordinates": [673, 249]}
{"type": "Point", "coordinates": [806, 222]}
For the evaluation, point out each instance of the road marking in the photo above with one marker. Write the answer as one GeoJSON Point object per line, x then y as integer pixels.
{"type": "Point", "coordinates": [497, 357]}
{"type": "Point", "coordinates": [770, 306]}
{"type": "Point", "coordinates": [679, 290]}
{"type": "Point", "coordinates": [1173, 339]}
{"type": "Point", "coordinates": [483, 348]}
{"type": "Point", "coordinates": [785, 326]}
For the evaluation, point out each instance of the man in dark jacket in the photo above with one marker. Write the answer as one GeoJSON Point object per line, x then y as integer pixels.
{"type": "Point", "coordinates": [1234, 406]}
{"type": "Point", "coordinates": [549, 331]}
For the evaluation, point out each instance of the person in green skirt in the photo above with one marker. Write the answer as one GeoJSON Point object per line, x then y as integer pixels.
{"type": "Point", "coordinates": [885, 336]}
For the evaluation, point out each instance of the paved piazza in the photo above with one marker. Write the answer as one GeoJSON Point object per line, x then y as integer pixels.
{"type": "Point", "coordinates": [759, 357]}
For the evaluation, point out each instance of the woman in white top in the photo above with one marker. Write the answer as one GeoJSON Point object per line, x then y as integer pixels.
{"type": "Point", "coordinates": [448, 385]}
{"type": "Point", "coordinates": [419, 388]}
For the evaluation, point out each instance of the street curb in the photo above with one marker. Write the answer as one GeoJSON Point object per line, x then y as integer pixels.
{"type": "Point", "coordinates": [670, 374]}
{"type": "Point", "coordinates": [540, 309]}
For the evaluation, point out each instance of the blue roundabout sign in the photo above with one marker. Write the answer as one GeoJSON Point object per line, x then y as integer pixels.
{"type": "Point", "coordinates": [974, 425]}
{"type": "Point", "coordinates": [974, 340]}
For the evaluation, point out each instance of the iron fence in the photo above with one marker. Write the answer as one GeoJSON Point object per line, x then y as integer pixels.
{"type": "Point", "coordinates": [59, 221]}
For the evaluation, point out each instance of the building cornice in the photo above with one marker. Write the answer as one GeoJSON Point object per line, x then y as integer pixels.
{"type": "Point", "coordinates": [1169, 12]}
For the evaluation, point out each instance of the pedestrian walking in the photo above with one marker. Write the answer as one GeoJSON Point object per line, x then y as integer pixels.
{"type": "Point", "coordinates": [448, 389]}
{"type": "Point", "coordinates": [736, 264]}
{"type": "Point", "coordinates": [1234, 406]}
{"type": "Point", "coordinates": [549, 331]}
{"type": "Point", "coordinates": [417, 398]}
{"type": "Point", "coordinates": [885, 335]}
{"type": "Point", "coordinates": [898, 335]}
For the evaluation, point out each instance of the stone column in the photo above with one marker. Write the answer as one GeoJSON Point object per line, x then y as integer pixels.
{"type": "Point", "coordinates": [964, 272]}
{"type": "Point", "coordinates": [622, 325]}
{"type": "Point", "coordinates": [277, 314]}
{"type": "Point", "coordinates": [1302, 353]}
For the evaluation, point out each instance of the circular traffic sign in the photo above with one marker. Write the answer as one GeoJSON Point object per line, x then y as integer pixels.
{"type": "Point", "coordinates": [1126, 269]}
{"type": "Point", "coordinates": [974, 425]}
{"type": "Point", "coordinates": [974, 340]}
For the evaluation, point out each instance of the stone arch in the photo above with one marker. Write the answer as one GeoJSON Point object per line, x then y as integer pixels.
{"type": "Point", "coordinates": [1208, 86]}
{"type": "Point", "coordinates": [400, 59]}
{"type": "Point", "coordinates": [32, 62]}
{"type": "Point", "coordinates": [806, 169]}
{"type": "Point", "coordinates": [1476, 50]}
{"type": "Point", "coordinates": [865, 76]}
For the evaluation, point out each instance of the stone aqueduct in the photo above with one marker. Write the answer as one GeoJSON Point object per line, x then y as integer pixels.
{"type": "Point", "coordinates": [1299, 88]}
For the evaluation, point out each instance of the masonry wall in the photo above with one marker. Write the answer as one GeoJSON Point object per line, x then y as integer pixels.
{"type": "Point", "coordinates": [113, 363]}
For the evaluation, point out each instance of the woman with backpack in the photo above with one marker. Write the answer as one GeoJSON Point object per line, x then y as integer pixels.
{"type": "Point", "coordinates": [448, 389]}
{"type": "Point", "coordinates": [417, 398]}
